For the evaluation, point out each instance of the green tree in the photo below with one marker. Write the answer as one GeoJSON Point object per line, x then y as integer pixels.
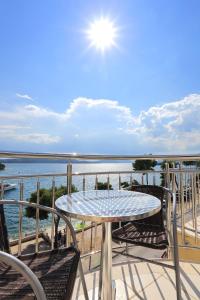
{"type": "Point", "coordinates": [144, 165]}
{"type": "Point", "coordinates": [46, 200]}
{"type": "Point", "coordinates": [127, 185]}
{"type": "Point", "coordinates": [2, 166]}
{"type": "Point", "coordinates": [189, 163]}
{"type": "Point", "coordinates": [103, 186]}
{"type": "Point", "coordinates": [162, 166]}
{"type": "Point", "coordinates": [195, 163]}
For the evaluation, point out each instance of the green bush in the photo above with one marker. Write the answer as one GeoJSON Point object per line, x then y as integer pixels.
{"type": "Point", "coordinates": [2, 166]}
{"type": "Point", "coordinates": [103, 186]}
{"type": "Point", "coordinates": [127, 185]}
{"type": "Point", "coordinates": [143, 165]}
{"type": "Point", "coordinates": [46, 200]}
{"type": "Point", "coordinates": [80, 225]}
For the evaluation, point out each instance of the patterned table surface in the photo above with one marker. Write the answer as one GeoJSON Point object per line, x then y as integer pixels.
{"type": "Point", "coordinates": [108, 206]}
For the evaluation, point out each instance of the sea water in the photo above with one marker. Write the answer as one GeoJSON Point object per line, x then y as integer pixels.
{"type": "Point", "coordinates": [30, 185]}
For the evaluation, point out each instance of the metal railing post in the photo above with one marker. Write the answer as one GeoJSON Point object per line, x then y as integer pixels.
{"type": "Point", "coordinates": [168, 207]}
{"type": "Point", "coordinates": [84, 183]}
{"type": "Point", "coordinates": [53, 216]}
{"type": "Point", "coordinates": [195, 208]}
{"type": "Point", "coordinates": [69, 190]}
{"type": "Point", "coordinates": [108, 182]}
{"type": "Point", "coordinates": [37, 216]}
{"type": "Point", "coordinates": [69, 178]}
{"type": "Point", "coordinates": [96, 183]}
{"type": "Point", "coordinates": [182, 204]}
{"type": "Point", "coordinates": [175, 252]}
{"type": "Point", "coordinates": [120, 181]}
{"type": "Point", "coordinates": [4, 239]}
{"type": "Point", "coordinates": [21, 190]}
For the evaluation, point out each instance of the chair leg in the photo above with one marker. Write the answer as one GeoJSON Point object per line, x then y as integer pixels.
{"type": "Point", "coordinates": [83, 280]}
{"type": "Point", "coordinates": [127, 248]}
{"type": "Point", "coordinates": [164, 255]}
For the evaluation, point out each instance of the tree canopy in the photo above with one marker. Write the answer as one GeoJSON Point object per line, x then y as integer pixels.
{"type": "Point", "coordinates": [189, 163]}
{"type": "Point", "coordinates": [192, 163]}
{"type": "Point", "coordinates": [46, 200]}
{"type": "Point", "coordinates": [127, 185]}
{"type": "Point", "coordinates": [143, 165]}
{"type": "Point", "coordinates": [2, 166]}
{"type": "Point", "coordinates": [103, 186]}
{"type": "Point", "coordinates": [162, 166]}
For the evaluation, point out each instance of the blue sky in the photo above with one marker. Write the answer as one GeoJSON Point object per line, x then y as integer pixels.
{"type": "Point", "coordinates": [57, 94]}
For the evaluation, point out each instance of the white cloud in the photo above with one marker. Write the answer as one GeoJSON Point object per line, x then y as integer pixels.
{"type": "Point", "coordinates": [24, 96]}
{"type": "Point", "coordinates": [38, 138]}
{"type": "Point", "coordinates": [40, 112]}
{"type": "Point", "coordinates": [101, 125]}
{"type": "Point", "coordinates": [86, 123]}
{"type": "Point", "coordinates": [172, 127]}
{"type": "Point", "coordinates": [27, 112]}
{"type": "Point", "coordinates": [19, 133]}
{"type": "Point", "coordinates": [90, 104]}
{"type": "Point", "coordinates": [12, 127]}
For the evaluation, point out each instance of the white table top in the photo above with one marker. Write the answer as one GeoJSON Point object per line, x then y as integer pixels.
{"type": "Point", "coordinates": [108, 206]}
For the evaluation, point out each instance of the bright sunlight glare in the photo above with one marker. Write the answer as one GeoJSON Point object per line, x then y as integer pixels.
{"type": "Point", "coordinates": [102, 34]}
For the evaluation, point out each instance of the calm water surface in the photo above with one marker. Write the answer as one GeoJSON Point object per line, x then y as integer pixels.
{"type": "Point", "coordinates": [47, 168]}
{"type": "Point", "coordinates": [30, 185]}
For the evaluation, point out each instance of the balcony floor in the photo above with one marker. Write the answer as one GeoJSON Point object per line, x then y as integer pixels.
{"type": "Point", "coordinates": [142, 280]}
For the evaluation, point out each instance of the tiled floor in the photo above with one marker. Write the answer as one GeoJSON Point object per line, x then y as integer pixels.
{"type": "Point", "coordinates": [142, 280]}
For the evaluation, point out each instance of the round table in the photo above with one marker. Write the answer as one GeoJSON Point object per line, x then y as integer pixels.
{"type": "Point", "coordinates": [108, 206]}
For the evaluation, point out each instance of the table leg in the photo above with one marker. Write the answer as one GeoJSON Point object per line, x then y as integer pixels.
{"type": "Point", "coordinates": [107, 262]}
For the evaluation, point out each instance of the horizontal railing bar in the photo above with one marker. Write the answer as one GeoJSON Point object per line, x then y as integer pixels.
{"type": "Point", "coordinates": [99, 173]}
{"type": "Point", "coordinates": [76, 174]}
{"type": "Point", "coordinates": [137, 172]}
{"type": "Point", "coordinates": [78, 156]}
{"type": "Point", "coordinates": [184, 170]}
{"type": "Point", "coordinates": [31, 176]}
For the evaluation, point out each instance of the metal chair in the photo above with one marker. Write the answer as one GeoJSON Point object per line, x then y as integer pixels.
{"type": "Point", "coordinates": [48, 274]}
{"type": "Point", "coordinates": [151, 232]}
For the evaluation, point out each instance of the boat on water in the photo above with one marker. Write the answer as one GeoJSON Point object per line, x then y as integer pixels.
{"type": "Point", "coordinates": [7, 186]}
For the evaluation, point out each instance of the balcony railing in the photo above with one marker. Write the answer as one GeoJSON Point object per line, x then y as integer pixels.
{"type": "Point", "coordinates": [181, 180]}
{"type": "Point", "coordinates": [184, 181]}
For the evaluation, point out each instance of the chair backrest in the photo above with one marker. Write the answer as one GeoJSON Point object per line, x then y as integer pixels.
{"type": "Point", "coordinates": [158, 192]}
{"type": "Point", "coordinates": [4, 242]}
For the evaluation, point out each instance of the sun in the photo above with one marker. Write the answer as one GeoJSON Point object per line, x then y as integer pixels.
{"type": "Point", "coordinates": [102, 34]}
